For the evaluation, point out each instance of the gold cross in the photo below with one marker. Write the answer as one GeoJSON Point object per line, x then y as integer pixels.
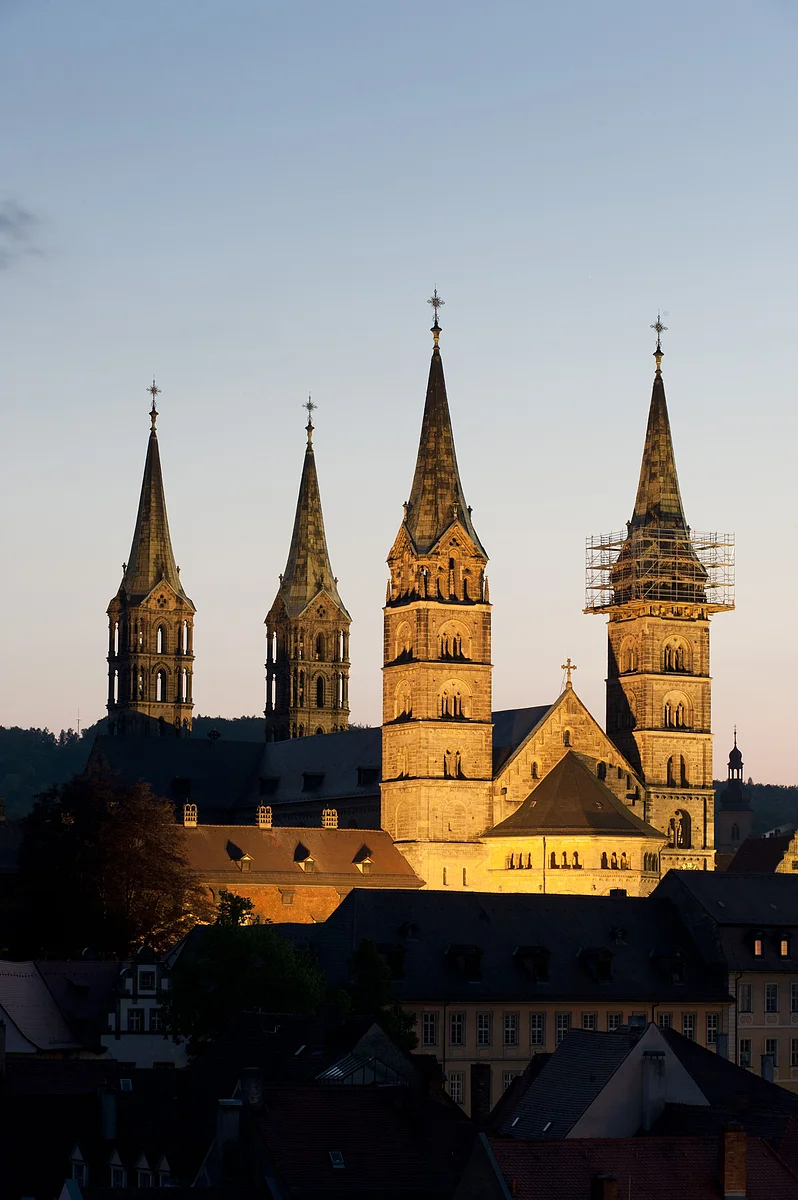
{"type": "Point", "coordinates": [436, 303]}
{"type": "Point", "coordinates": [660, 329]}
{"type": "Point", "coordinates": [154, 391]}
{"type": "Point", "coordinates": [568, 667]}
{"type": "Point", "coordinates": [311, 407]}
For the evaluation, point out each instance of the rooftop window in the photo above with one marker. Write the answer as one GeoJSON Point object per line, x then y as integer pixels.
{"type": "Point", "coordinates": [268, 784]}
{"type": "Point", "coordinates": [312, 780]}
{"type": "Point", "coordinates": [367, 776]}
{"type": "Point", "coordinates": [533, 961]}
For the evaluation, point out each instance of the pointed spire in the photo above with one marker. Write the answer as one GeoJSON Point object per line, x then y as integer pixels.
{"type": "Point", "coordinates": [308, 569]}
{"type": "Point", "coordinates": [658, 500]}
{"type": "Point", "coordinates": [436, 497]}
{"type": "Point", "coordinates": [151, 556]}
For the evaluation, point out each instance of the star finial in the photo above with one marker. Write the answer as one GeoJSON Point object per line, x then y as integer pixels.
{"type": "Point", "coordinates": [310, 406]}
{"type": "Point", "coordinates": [660, 329]}
{"type": "Point", "coordinates": [437, 304]}
{"type": "Point", "coordinates": [154, 391]}
{"type": "Point", "coordinates": [568, 667]}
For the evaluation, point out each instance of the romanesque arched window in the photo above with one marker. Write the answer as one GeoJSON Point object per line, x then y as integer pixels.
{"type": "Point", "coordinates": [160, 685]}
{"type": "Point", "coordinates": [301, 690]}
{"type": "Point", "coordinates": [320, 692]}
{"type": "Point", "coordinates": [534, 770]}
{"type": "Point", "coordinates": [576, 858]}
{"type": "Point", "coordinates": [403, 700]}
{"type": "Point", "coordinates": [604, 863]}
{"type": "Point", "coordinates": [160, 640]}
{"type": "Point", "coordinates": [601, 770]}
{"type": "Point", "coordinates": [320, 647]}
{"type": "Point", "coordinates": [680, 830]}
{"type": "Point", "coordinates": [553, 859]}
{"type": "Point", "coordinates": [614, 862]}
{"type": "Point", "coordinates": [735, 832]}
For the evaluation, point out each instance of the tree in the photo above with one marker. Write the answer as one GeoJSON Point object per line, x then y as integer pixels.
{"type": "Point", "coordinates": [104, 865]}
{"type": "Point", "coordinates": [228, 968]}
{"type": "Point", "coordinates": [233, 909]}
{"type": "Point", "coordinates": [371, 994]}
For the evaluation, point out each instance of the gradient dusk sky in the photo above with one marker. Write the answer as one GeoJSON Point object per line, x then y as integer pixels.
{"type": "Point", "coordinates": [254, 199]}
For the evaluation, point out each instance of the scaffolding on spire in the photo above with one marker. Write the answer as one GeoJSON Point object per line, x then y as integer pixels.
{"type": "Point", "coordinates": [660, 565]}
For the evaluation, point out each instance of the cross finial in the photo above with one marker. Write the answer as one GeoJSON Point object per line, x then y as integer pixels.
{"type": "Point", "coordinates": [154, 391]}
{"type": "Point", "coordinates": [660, 329]}
{"type": "Point", "coordinates": [568, 667]}
{"type": "Point", "coordinates": [437, 304]}
{"type": "Point", "coordinates": [310, 406]}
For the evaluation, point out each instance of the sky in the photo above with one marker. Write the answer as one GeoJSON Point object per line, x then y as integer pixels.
{"type": "Point", "coordinates": [253, 200]}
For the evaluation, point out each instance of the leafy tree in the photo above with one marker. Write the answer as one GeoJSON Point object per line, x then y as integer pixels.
{"type": "Point", "coordinates": [233, 909]}
{"type": "Point", "coordinates": [228, 968]}
{"type": "Point", "coordinates": [104, 865]}
{"type": "Point", "coordinates": [371, 993]}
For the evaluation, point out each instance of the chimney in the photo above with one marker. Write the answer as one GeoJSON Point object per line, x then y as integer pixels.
{"type": "Point", "coordinates": [264, 815]}
{"type": "Point", "coordinates": [2, 1049]}
{"type": "Point", "coordinates": [653, 1086]}
{"type": "Point", "coordinates": [733, 1161]}
{"type": "Point", "coordinates": [615, 893]}
{"type": "Point", "coordinates": [107, 1114]}
{"type": "Point", "coordinates": [329, 818]}
{"type": "Point", "coordinates": [228, 1123]}
{"type": "Point", "coordinates": [252, 1085]}
{"type": "Point", "coordinates": [766, 1070]}
{"type": "Point", "coordinates": [603, 1187]}
{"type": "Point", "coordinates": [480, 1093]}
{"type": "Point", "coordinates": [190, 816]}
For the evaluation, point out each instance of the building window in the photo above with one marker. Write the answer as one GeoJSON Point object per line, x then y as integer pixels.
{"type": "Point", "coordinates": [457, 1028]}
{"type": "Point", "coordinates": [588, 1020]}
{"type": "Point", "coordinates": [614, 1021]}
{"type": "Point", "coordinates": [135, 1020]}
{"type": "Point", "coordinates": [745, 1052]}
{"type": "Point", "coordinates": [156, 1023]}
{"type": "Point", "coordinates": [484, 1029]}
{"type": "Point", "coordinates": [537, 1028]}
{"type": "Point", "coordinates": [146, 981]}
{"type": "Point", "coordinates": [429, 1028]}
{"type": "Point", "coordinates": [118, 1177]}
{"type": "Point", "coordinates": [563, 1026]}
{"type": "Point", "coordinates": [771, 997]}
{"type": "Point", "coordinates": [80, 1173]}
{"type": "Point", "coordinates": [745, 994]}
{"type": "Point", "coordinates": [772, 1048]}
{"type": "Point", "coordinates": [566, 738]}
{"type": "Point", "coordinates": [794, 997]}
{"type": "Point", "coordinates": [145, 1179]}
{"type": "Point", "coordinates": [457, 1086]}
{"type": "Point", "coordinates": [665, 1020]}
{"type": "Point", "coordinates": [508, 1077]}
{"type": "Point", "coordinates": [712, 1029]}
{"type": "Point", "coordinates": [511, 1029]}
{"type": "Point", "coordinates": [784, 948]}
{"type": "Point", "coordinates": [688, 1026]}
{"type": "Point", "coordinates": [757, 947]}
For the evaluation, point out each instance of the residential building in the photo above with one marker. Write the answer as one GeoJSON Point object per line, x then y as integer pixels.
{"type": "Point", "coordinates": [747, 925]}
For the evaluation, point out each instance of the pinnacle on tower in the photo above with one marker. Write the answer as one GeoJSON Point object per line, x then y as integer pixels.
{"type": "Point", "coordinates": [436, 497]}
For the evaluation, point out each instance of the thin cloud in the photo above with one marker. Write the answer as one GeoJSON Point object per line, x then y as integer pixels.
{"type": "Point", "coordinates": [17, 233]}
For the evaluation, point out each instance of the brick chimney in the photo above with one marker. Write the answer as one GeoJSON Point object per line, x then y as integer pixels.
{"type": "Point", "coordinates": [603, 1187]}
{"type": "Point", "coordinates": [733, 1161]}
{"type": "Point", "coordinates": [653, 1069]}
{"type": "Point", "coordinates": [480, 1093]}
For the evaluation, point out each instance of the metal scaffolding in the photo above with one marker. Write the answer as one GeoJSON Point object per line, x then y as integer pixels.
{"type": "Point", "coordinates": [657, 564]}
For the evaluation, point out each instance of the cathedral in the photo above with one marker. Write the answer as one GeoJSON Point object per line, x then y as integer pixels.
{"type": "Point", "coordinates": [538, 799]}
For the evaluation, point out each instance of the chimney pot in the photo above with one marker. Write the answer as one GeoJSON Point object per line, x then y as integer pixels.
{"type": "Point", "coordinates": [252, 1085]}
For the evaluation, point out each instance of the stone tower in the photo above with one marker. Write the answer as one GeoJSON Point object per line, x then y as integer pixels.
{"type": "Point", "coordinates": [659, 583]}
{"type": "Point", "coordinates": [151, 622]}
{"type": "Point", "coordinates": [734, 820]}
{"type": "Point", "coordinates": [437, 731]}
{"type": "Point", "coordinates": [307, 627]}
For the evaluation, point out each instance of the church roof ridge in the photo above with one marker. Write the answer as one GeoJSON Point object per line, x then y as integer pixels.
{"type": "Point", "coordinates": [151, 557]}
{"type": "Point", "coordinates": [308, 570]}
{"type": "Point", "coordinates": [436, 496]}
{"type": "Point", "coordinates": [571, 799]}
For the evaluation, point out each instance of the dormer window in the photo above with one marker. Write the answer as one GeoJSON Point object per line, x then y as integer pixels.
{"type": "Point", "coordinates": [367, 776]}
{"type": "Point", "coordinates": [363, 860]}
{"type": "Point", "coordinates": [759, 946]}
{"type": "Point", "coordinates": [466, 960]}
{"type": "Point", "coordinates": [312, 780]}
{"type": "Point", "coordinates": [533, 961]}
{"type": "Point", "coordinates": [268, 784]}
{"type": "Point", "coordinates": [303, 858]}
{"type": "Point", "coordinates": [244, 863]}
{"type": "Point", "coordinates": [784, 947]}
{"type": "Point", "coordinates": [146, 981]}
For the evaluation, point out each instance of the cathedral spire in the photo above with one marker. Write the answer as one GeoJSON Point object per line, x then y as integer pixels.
{"type": "Point", "coordinates": [436, 497]}
{"type": "Point", "coordinates": [308, 568]}
{"type": "Point", "coordinates": [659, 501]}
{"type": "Point", "coordinates": [151, 556]}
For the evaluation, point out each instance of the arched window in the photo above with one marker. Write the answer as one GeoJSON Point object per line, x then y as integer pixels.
{"type": "Point", "coordinates": [529, 860]}
{"type": "Point", "coordinates": [116, 637]}
{"type": "Point", "coordinates": [564, 859]}
{"type": "Point", "coordinates": [115, 691]}
{"type": "Point", "coordinates": [140, 685]}
{"type": "Point", "coordinates": [553, 859]}
{"type": "Point", "coordinates": [465, 877]}
{"type": "Point", "coordinates": [320, 647]}
{"type": "Point", "coordinates": [160, 640]}
{"type": "Point", "coordinates": [319, 730]}
{"type": "Point", "coordinates": [301, 731]}
{"type": "Point", "coordinates": [576, 858]}
{"type": "Point", "coordinates": [735, 833]}
{"type": "Point", "coordinates": [670, 777]}
{"type": "Point", "coordinates": [624, 862]}
{"type": "Point", "coordinates": [601, 770]}
{"type": "Point", "coordinates": [680, 830]}
{"type": "Point", "coordinates": [566, 737]}
{"type": "Point", "coordinates": [160, 686]}
{"type": "Point", "coordinates": [614, 862]}
{"type": "Point", "coordinates": [604, 863]}
{"type": "Point", "coordinates": [534, 770]}
{"type": "Point", "coordinates": [301, 694]}
{"type": "Point", "coordinates": [320, 692]}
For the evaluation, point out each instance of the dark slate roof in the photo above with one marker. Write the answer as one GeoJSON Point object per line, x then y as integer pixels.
{"type": "Point", "coordinates": [568, 1084]}
{"type": "Point", "coordinates": [511, 727]}
{"type": "Point", "coordinates": [423, 926]}
{"type": "Point", "coordinates": [724, 1083]}
{"type": "Point", "coordinates": [437, 492]}
{"type": "Point", "coordinates": [308, 571]}
{"type": "Point", "coordinates": [83, 991]}
{"type": "Point", "coordinates": [570, 799]}
{"type": "Point", "coordinates": [654, 1168]}
{"type": "Point", "coordinates": [760, 855]}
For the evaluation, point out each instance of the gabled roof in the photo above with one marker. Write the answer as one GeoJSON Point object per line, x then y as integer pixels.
{"type": "Point", "coordinates": [747, 899]}
{"type": "Point", "coordinates": [437, 499]}
{"type": "Point", "coordinates": [760, 855]}
{"type": "Point", "coordinates": [26, 1000]}
{"type": "Point", "coordinates": [308, 571]}
{"type": "Point", "coordinates": [570, 799]}
{"type": "Point", "coordinates": [511, 728]}
{"type": "Point", "coordinates": [151, 556]}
